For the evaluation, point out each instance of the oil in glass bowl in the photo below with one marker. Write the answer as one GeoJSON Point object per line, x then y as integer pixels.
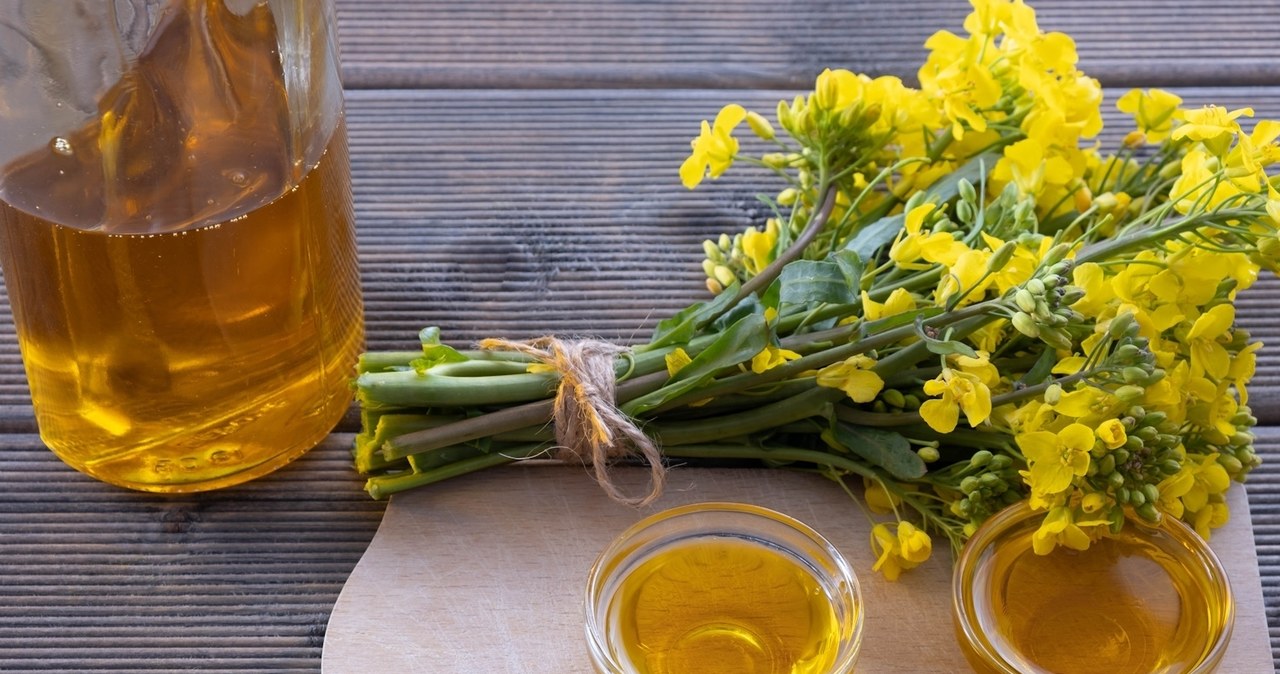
{"type": "Point", "coordinates": [1149, 599]}
{"type": "Point", "coordinates": [722, 588]}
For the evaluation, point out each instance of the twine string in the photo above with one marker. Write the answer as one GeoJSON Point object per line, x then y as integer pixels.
{"type": "Point", "coordinates": [590, 429]}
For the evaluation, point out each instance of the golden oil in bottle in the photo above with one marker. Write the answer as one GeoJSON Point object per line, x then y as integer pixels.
{"type": "Point", "coordinates": [182, 269]}
{"type": "Point", "coordinates": [708, 605]}
{"type": "Point", "coordinates": [1127, 605]}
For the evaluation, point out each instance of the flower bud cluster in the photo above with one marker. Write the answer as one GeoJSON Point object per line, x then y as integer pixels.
{"type": "Point", "coordinates": [1041, 307]}
{"type": "Point", "coordinates": [988, 483]}
{"type": "Point", "coordinates": [724, 262]}
{"type": "Point", "coordinates": [1131, 473]}
{"type": "Point", "coordinates": [1131, 366]}
{"type": "Point", "coordinates": [1236, 454]}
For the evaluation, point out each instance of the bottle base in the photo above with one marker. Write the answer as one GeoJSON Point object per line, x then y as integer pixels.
{"type": "Point", "coordinates": [189, 465]}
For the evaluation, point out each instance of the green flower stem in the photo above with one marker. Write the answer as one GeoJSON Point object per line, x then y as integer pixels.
{"type": "Point", "coordinates": [509, 419]}
{"type": "Point", "coordinates": [485, 381]}
{"type": "Point", "coordinates": [755, 397]}
{"type": "Point", "coordinates": [877, 419]}
{"type": "Point", "coordinates": [925, 279]}
{"type": "Point", "coordinates": [794, 251]}
{"type": "Point", "coordinates": [378, 361]}
{"type": "Point", "coordinates": [385, 485]}
{"type": "Point", "coordinates": [963, 322]}
{"type": "Point", "coordinates": [1145, 238]}
{"type": "Point", "coordinates": [748, 380]}
{"type": "Point", "coordinates": [814, 402]}
{"type": "Point", "coordinates": [425, 434]}
{"type": "Point", "coordinates": [436, 389]}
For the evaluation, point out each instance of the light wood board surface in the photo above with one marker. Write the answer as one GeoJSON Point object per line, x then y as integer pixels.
{"type": "Point", "coordinates": [486, 574]}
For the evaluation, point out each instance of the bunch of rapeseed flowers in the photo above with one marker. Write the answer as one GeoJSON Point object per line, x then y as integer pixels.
{"type": "Point", "coordinates": [959, 302]}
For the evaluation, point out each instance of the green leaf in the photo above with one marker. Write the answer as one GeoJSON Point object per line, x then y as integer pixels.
{"type": "Point", "coordinates": [811, 283]}
{"type": "Point", "coordinates": [1042, 370]}
{"type": "Point", "coordinates": [852, 267]}
{"type": "Point", "coordinates": [886, 449]}
{"type": "Point", "coordinates": [433, 352]}
{"type": "Point", "coordinates": [749, 305]}
{"type": "Point", "coordinates": [739, 343]}
{"type": "Point", "coordinates": [874, 236]}
{"type": "Point", "coordinates": [946, 348]}
{"type": "Point", "coordinates": [685, 324]}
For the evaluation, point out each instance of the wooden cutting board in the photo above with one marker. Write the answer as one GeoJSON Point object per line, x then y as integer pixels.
{"type": "Point", "coordinates": [485, 574]}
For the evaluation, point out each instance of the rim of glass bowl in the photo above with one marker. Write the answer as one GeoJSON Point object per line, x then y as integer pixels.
{"type": "Point", "coordinates": [1194, 550]}
{"type": "Point", "coordinates": [641, 539]}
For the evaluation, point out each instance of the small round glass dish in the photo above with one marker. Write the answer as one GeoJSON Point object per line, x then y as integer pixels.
{"type": "Point", "coordinates": [722, 587]}
{"type": "Point", "coordinates": [1150, 599]}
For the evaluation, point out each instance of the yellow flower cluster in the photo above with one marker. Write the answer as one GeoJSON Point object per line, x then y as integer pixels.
{"type": "Point", "coordinates": [1007, 73]}
{"type": "Point", "coordinates": [954, 298]}
{"type": "Point", "coordinates": [1101, 377]}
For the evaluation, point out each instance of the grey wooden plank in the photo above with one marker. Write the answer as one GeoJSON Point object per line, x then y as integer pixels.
{"type": "Point", "coordinates": [95, 578]}
{"type": "Point", "coordinates": [1264, 494]}
{"type": "Point", "coordinates": [766, 44]}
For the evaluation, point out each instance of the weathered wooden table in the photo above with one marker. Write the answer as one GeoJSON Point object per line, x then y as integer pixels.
{"type": "Point", "coordinates": [515, 174]}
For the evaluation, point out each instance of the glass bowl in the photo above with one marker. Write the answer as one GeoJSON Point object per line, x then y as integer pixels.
{"type": "Point", "coordinates": [1149, 599]}
{"type": "Point", "coordinates": [722, 587]}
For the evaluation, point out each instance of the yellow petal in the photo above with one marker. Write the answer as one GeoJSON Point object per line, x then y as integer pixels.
{"type": "Point", "coordinates": [941, 416]}
{"type": "Point", "coordinates": [862, 386]}
{"type": "Point", "coordinates": [693, 170]}
{"type": "Point", "coordinates": [1069, 365]}
{"type": "Point", "coordinates": [1078, 437]}
{"type": "Point", "coordinates": [1038, 445]}
{"type": "Point", "coordinates": [729, 117]}
{"type": "Point", "coordinates": [1213, 322]}
{"type": "Point", "coordinates": [676, 361]}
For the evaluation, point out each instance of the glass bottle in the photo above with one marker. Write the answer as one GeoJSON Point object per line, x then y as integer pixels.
{"type": "Point", "coordinates": [176, 233]}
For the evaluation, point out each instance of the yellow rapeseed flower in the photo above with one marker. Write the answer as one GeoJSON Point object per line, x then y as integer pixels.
{"type": "Point", "coordinates": [676, 361]}
{"type": "Point", "coordinates": [959, 391]}
{"type": "Point", "coordinates": [1199, 184]}
{"type": "Point", "coordinates": [953, 76]}
{"type": "Point", "coordinates": [1243, 366]}
{"type": "Point", "coordinates": [967, 275]}
{"type": "Point", "coordinates": [854, 376]}
{"type": "Point", "coordinates": [915, 244]}
{"type": "Point", "coordinates": [758, 245]}
{"type": "Point", "coordinates": [988, 17]}
{"type": "Point", "coordinates": [1153, 110]}
{"type": "Point", "coordinates": [1112, 434]}
{"type": "Point", "coordinates": [1061, 527]}
{"type": "Point", "coordinates": [1208, 355]}
{"type": "Point", "coordinates": [980, 367]}
{"type": "Point", "coordinates": [714, 148]}
{"type": "Point", "coordinates": [879, 499]}
{"type": "Point", "coordinates": [899, 551]}
{"type": "Point", "coordinates": [1211, 125]}
{"type": "Point", "coordinates": [1203, 499]}
{"type": "Point", "coordinates": [900, 301]}
{"type": "Point", "coordinates": [1055, 459]}
{"type": "Point", "coordinates": [771, 357]}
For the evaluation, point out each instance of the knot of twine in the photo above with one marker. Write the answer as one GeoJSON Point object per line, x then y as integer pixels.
{"type": "Point", "coordinates": [589, 426]}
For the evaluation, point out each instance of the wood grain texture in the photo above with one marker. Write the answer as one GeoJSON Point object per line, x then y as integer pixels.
{"type": "Point", "coordinates": [95, 578]}
{"type": "Point", "coordinates": [769, 44]}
